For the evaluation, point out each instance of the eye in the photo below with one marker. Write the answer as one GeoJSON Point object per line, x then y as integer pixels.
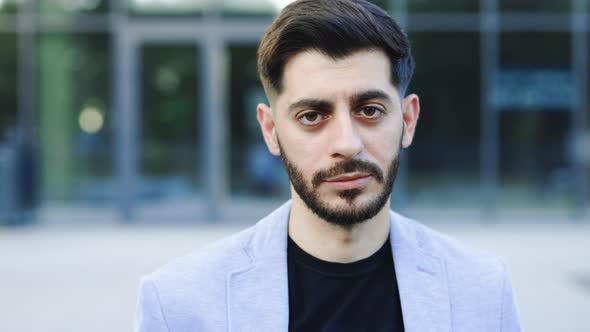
{"type": "Point", "coordinates": [311, 118]}
{"type": "Point", "coordinates": [370, 112]}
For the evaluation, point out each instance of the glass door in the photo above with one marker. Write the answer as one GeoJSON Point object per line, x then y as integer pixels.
{"type": "Point", "coordinates": [534, 92]}
{"type": "Point", "coordinates": [169, 145]}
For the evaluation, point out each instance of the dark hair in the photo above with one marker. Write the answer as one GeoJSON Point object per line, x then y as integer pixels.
{"type": "Point", "coordinates": [336, 28]}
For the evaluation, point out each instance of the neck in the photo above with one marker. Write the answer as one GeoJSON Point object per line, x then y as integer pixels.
{"type": "Point", "coordinates": [334, 243]}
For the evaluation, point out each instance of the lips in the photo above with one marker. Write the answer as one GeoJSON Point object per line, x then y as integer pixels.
{"type": "Point", "coordinates": [348, 181]}
{"type": "Point", "coordinates": [348, 177]}
{"type": "Point", "coordinates": [343, 172]}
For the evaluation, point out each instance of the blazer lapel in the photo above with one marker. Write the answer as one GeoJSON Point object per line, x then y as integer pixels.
{"type": "Point", "coordinates": [258, 294]}
{"type": "Point", "coordinates": [259, 298]}
{"type": "Point", "coordinates": [421, 279]}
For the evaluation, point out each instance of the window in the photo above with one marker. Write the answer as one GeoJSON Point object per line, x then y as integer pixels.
{"type": "Point", "coordinates": [443, 6]}
{"type": "Point", "coordinates": [528, 6]}
{"type": "Point", "coordinates": [75, 117]}
{"type": "Point", "coordinates": [8, 84]}
{"type": "Point", "coordinates": [253, 169]}
{"type": "Point", "coordinates": [535, 91]}
{"type": "Point", "coordinates": [176, 7]}
{"type": "Point", "coordinates": [443, 160]}
{"type": "Point", "coordinates": [72, 6]}
{"type": "Point", "coordinates": [170, 153]}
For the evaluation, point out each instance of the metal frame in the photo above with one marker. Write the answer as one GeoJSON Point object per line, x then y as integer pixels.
{"type": "Point", "coordinates": [127, 32]}
{"type": "Point", "coordinates": [580, 119]}
{"type": "Point", "coordinates": [489, 120]}
{"type": "Point", "coordinates": [130, 36]}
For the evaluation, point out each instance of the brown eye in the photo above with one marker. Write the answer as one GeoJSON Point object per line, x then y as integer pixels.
{"type": "Point", "coordinates": [311, 118]}
{"type": "Point", "coordinates": [370, 112]}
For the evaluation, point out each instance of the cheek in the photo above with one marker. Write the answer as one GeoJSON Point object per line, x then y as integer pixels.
{"type": "Point", "coordinates": [305, 152]}
{"type": "Point", "coordinates": [310, 157]}
{"type": "Point", "coordinates": [383, 145]}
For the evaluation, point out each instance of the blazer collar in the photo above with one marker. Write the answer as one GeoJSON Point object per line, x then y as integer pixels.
{"type": "Point", "coordinates": [258, 294]}
{"type": "Point", "coordinates": [421, 278]}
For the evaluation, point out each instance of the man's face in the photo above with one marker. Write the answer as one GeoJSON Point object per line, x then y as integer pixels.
{"type": "Point", "coordinates": [338, 127]}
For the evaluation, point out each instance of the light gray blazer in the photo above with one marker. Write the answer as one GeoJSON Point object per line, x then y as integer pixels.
{"type": "Point", "coordinates": [240, 284]}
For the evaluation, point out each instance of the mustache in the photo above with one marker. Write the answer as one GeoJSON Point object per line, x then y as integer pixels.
{"type": "Point", "coordinates": [348, 166]}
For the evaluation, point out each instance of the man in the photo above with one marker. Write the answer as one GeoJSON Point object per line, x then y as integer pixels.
{"type": "Point", "coordinates": [334, 258]}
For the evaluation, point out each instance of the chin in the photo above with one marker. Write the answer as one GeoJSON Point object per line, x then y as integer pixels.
{"type": "Point", "coordinates": [347, 212]}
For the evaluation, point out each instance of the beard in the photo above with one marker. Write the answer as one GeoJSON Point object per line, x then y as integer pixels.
{"type": "Point", "coordinates": [343, 216]}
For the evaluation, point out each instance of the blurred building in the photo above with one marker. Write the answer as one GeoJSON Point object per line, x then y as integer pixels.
{"type": "Point", "coordinates": [146, 108]}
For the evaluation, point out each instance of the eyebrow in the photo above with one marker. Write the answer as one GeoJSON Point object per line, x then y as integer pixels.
{"type": "Point", "coordinates": [356, 99]}
{"type": "Point", "coordinates": [365, 96]}
{"type": "Point", "coordinates": [317, 104]}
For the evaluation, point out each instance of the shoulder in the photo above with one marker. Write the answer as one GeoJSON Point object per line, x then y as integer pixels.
{"type": "Point", "coordinates": [453, 252]}
{"type": "Point", "coordinates": [176, 295]}
{"type": "Point", "coordinates": [478, 283]}
{"type": "Point", "coordinates": [191, 292]}
{"type": "Point", "coordinates": [210, 262]}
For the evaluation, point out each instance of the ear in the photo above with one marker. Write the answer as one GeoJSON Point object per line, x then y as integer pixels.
{"type": "Point", "coordinates": [410, 115]}
{"type": "Point", "coordinates": [266, 120]}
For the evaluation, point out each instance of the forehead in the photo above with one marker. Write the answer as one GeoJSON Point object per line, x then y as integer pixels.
{"type": "Point", "coordinates": [312, 74]}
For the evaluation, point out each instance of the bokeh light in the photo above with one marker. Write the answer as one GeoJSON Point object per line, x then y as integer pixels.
{"type": "Point", "coordinates": [91, 120]}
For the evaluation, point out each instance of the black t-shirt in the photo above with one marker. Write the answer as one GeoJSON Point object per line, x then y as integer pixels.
{"type": "Point", "coordinates": [358, 296]}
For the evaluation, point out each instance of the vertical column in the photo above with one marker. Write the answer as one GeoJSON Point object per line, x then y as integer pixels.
{"type": "Point", "coordinates": [124, 81]}
{"type": "Point", "coordinates": [26, 139]}
{"type": "Point", "coordinates": [581, 132]}
{"type": "Point", "coordinates": [213, 123]}
{"type": "Point", "coordinates": [490, 147]}
{"type": "Point", "coordinates": [26, 66]}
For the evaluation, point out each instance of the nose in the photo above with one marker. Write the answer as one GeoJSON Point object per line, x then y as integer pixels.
{"type": "Point", "coordinates": [346, 141]}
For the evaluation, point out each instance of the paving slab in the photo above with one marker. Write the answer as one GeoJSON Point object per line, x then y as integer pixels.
{"type": "Point", "coordinates": [70, 278]}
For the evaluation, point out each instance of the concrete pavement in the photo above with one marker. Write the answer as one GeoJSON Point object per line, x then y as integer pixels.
{"type": "Point", "coordinates": [65, 278]}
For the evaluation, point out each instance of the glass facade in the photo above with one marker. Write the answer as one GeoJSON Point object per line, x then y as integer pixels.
{"type": "Point", "coordinates": [267, 8]}
{"type": "Point", "coordinates": [178, 7]}
{"type": "Point", "coordinates": [528, 6]}
{"type": "Point", "coordinates": [385, 4]}
{"type": "Point", "coordinates": [72, 6]}
{"type": "Point", "coordinates": [536, 90]}
{"type": "Point", "coordinates": [8, 6]}
{"type": "Point", "coordinates": [444, 157]}
{"type": "Point", "coordinates": [253, 170]}
{"type": "Point", "coordinates": [443, 6]}
{"type": "Point", "coordinates": [181, 98]}
{"type": "Point", "coordinates": [75, 119]}
{"type": "Point", "coordinates": [8, 79]}
{"type": "Point", "coordinates": [169, 116]}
